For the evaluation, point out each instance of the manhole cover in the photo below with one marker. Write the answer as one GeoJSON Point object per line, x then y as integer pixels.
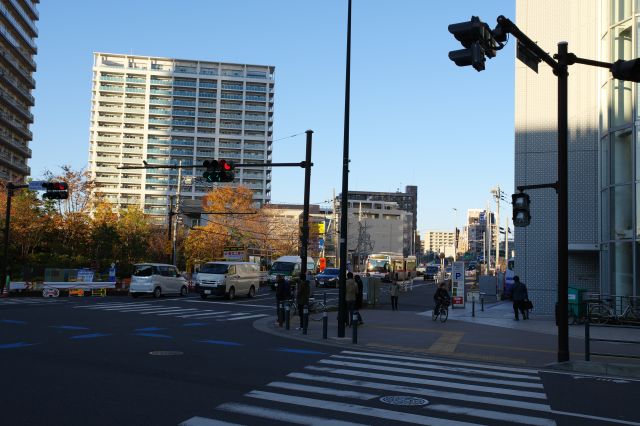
{"type": "Point", "coordinates": [165, 353]}
{"type": "Point", "coordinates": [403, 400]}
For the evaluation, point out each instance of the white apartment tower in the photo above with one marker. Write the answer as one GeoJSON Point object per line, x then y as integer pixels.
{"type": "Point", "coordinates": [171, 111]}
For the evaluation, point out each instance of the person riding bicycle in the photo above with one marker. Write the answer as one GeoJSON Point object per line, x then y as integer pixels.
{"type": "Point", "coordinates": [441, 297]}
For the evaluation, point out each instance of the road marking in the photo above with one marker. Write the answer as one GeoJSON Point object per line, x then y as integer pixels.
{"type": "Point", "coordinates": [284, 416]}
{"type": "Point", "coordinates": [176, 313]}
{"type": "Point", "coordinates": [89, 336]}
{"type": "Point", "coordinates": [137, 330]}
{"type": "Point", "coordinates": [433, 374]}
{"type": "Point", "coordinates": [300, 351]}
{"type": "Point", "coordinates": [136, 308]}
{"type": "Point", "coordinates": [388, 387]}
{"type": "Point", "coordinates": [493, 415]}
{"type": "Point", "coordinates": [362, 410]}
{"type": "Point", "coordinates": [426, 364]}
{"type": "Point", "coordinates": [16, 345]}
{"type": "Point", "coordinates": [219, 342]}
{"type": "Point", "coordinates": [440, 383]}
{"type": "Point", "coordinates": [508, 348]}
{"type": "Point", "coordinates": [323, 391]}
{"type": "Point", "coordinates": [161, 336]}
{"type": "Point", "coordinates": [8, 321]}
{"type": "Point", "coordinates": [222, 303]}
{"type": "Point", "coordinates": [447, 343]}
{"type": "Point", "coordinates": [205, 314]}
{"type": "Point", "coordinates": [115, 306]}
{"type": "Point", "coordinates": [246, 317]}
{"type": "Point", "coordinates": [165, 310]}
{"type": "Point", "coordinates": [603, 419]}
{"type": "Point", "coordinates": [447, 362]}
{"type": "Point", "coordinates": [68, 327]}
{"type": "Point", "coordinates": [203, 421]}
{"type": "Point", "coordinates": [470, 356]}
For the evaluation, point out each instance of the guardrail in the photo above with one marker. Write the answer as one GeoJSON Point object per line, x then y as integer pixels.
{"type": "Point", "coordinates": [588, 339]}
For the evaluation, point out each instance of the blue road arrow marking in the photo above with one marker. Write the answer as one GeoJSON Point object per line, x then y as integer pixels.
{"type": "Point", "coordinates": [162, 336]}
{"type": "Point", "coordinates": [89, 336]}
{"type": "Point", "coordinates": [300, 351]}
{"type": "Point", "coordinates": [137, 330]}
{"type": "Point", "coordinates": [194, 324]}
{"type": "Point", "coordinates": [219, 342]}
{"type": "Point", "coordinates": [69, 327]}
{"type": "Point", "coordinates": [16, 345]}
{"type": "Point", "coordinates": [13, 321]}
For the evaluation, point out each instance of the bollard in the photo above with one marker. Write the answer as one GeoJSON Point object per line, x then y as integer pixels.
{"type": "Point", "coordinates": [280, 313]}
{"type": "Point", "coordinates": [325, 324]}
{"type": "Point", "coordinates": [482, 303]}
{"type": "Point", "coordinates": [587, 348]}
{"type": "Point", "coordinates": [473, 307]}
{"type": "Point", "coordinates": [354, 326]}
{"type": "Point", "coordinates": [305, 319]}
{"type": "Point", "coordinates": [287, 315]}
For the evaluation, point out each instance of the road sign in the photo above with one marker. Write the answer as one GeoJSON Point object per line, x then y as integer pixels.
{"type": "Point", "coordinates": [36, 185]}
{"type": "Point", "coordinates": [457, 284]}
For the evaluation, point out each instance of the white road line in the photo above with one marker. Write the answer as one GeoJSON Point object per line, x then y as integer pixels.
{"type": "Point", "coordinates": [493, 415]}
{"type": "Point", "coordinates": [203, 421]}
{"type": "Point", "coordinates": [602, 419]}
{"type": "Point", "coordinates": [205, 314]}
{"type": "Point", "coordinates": [176, 313]}
{"type": "Point", "coordinates": [388, 387]}
{"type": "Point", "coordinates": [247, 317]}
{"type": "Point", "coordinates": [357, 409]}
{"type": "Point", "coordinates": [159, 311]}
{"type": "Point", "coordinates": [433, 374]}
{"type": "Point", "coordinates": [136, 309]}
{"type": "Point", "coordinates": [324, 391]}
{"type": "Point", "coordinates": [285, 416]}
{"type": "Point", "coordinates": [439, 383]}
{"type": "Point", "coordinates": [112, 305]}
{"type": "Point", "coordinates": [428, 365]}
{"type": "Point", "coordinates": [222, 303]}
{"type": "Point", "coordinates": [439, 361]}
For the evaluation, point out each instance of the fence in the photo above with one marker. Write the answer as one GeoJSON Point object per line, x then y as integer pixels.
{"type": "Point", "coordinates": [588, 339]}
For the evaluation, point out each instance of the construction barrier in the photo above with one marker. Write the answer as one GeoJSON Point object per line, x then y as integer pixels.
{"type": "Point", "coordinates": [76, 292]}
{"type": "Point", "coordinates": [102, 292]}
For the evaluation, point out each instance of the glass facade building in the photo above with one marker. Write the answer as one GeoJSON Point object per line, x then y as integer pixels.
{"type": "Point", "coordinates": [619, 163]}
{"type": "Point", "coordinates": [164, 111]}
{"type": "Point", "coordinates": [18, 33]}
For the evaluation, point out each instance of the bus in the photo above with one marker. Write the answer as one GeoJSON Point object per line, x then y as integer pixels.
{"type": "Point", "coordinates": [388, 266]}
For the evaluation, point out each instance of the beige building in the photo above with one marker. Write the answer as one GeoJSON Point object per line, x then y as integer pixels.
{"type": "Point", "coordinates": [18, 33]}
{"type": "Point", "coordinates": [439, 241]}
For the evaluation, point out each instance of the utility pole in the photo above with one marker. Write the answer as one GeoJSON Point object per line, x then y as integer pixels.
{"type": "Point", "coordinates": [496, 194]}
{"type": "Point", "coordinates": [336, 246]}
{"type": "Point", "coordinates": [305, 210]}
{"type": "Point", "coordinates": [174, 254]}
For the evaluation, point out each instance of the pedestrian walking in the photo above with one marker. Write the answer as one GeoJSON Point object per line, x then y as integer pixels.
{"type": "Point", "coordinates": [283, 293]}
{"type": "Point", "coordinates": [302, 298]}
{"type": "Point", "coordinates": [394, 291]}
{"type": "Point", "coordinates": [350, 296]}
{"type": "Point", "coordinates": [519, 296]}
{"type": "Point", "coordinates": [359, 297]}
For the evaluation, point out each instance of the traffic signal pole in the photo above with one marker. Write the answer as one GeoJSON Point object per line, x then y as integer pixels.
{"type": "Point", "coordinates": [305, 210]}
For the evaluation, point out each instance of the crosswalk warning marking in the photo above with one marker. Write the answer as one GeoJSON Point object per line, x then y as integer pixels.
{"type": "Point", "coordinates": [492, 415]}
{"type": "Point", "coordinates": [323, 391]}
{"type": "Point", "coordinates": [282, 415]}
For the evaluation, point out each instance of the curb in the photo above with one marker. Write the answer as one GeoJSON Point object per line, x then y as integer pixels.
{"type": "Point", "coordinates": [622, 371]}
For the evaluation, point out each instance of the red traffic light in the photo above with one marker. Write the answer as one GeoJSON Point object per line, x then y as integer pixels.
{"type": "Point", "coordinates": [227, 167]}
{"type": "Point", "coordinates": [55, 186]}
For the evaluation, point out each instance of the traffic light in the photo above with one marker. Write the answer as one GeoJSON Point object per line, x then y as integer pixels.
{"type": "Point", "coordinates": [212, 173]}
{"type": "Point", "coordinates": [521, 205]}
{"type": "Point", "coordinates": [478, 41]}
{"type": "Point", "coordinates": [55, 190]}
{"type": "Point", "coordinates": [226, 171]}
{"type": "Point", "coordinates": [626, 70]}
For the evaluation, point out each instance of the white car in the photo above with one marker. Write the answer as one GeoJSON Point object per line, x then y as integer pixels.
{"type": "Point", "coordinates": [157, 279]}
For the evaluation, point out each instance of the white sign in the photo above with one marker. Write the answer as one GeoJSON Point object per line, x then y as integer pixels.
{"type": "Point", "coordinates": [85, 275]}
{"type": "Point", "coordinates": [36, 185]}
{"type": "Point", "coordinates": [457, 284]}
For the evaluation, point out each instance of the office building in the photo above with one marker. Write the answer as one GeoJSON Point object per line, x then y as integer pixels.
{"type": "Point", "coordinates": [18, 33]}
{"type": "Point", "coordinates": [480, 228]}
{"type": "Point", "coordinates": [162, 111]}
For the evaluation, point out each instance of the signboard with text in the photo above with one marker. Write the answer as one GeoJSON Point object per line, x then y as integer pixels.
{"type": "Point", "coordinates": [457, 284]}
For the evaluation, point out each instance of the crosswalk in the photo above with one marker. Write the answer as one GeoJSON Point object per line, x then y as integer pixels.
{"type": "Point", "coordinates": [162, 310]}
{"type": "Point", "coordinates": [31, 301]}
{"type": "Point", "coordinates": [356, 387]}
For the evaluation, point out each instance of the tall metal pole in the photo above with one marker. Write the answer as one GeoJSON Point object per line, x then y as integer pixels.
{"type": "Point", "coordinates": [342, 305]}
{"type": "Point", "coordinates": [563, 204]}
{"type": "Point", "coordinates": [305, 210]}
{"type": "Point", "coordinates": [174, 254]}
{"type": "Point", "coordinates": [5, 256]}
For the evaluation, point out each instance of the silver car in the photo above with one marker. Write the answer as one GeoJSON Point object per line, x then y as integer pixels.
{"type": "Point", "coordinates": [157, 279]}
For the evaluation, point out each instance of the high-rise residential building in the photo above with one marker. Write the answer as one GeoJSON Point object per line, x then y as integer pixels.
{"type": "Point", "coordinates": [18, 33]}
{"type": "Point", "coordinates": [478, 230]}
{"type": "Point", "coordinates": [439, 241]}
{"type": "Point", "coordinates": [603, 157]}
{"type": "Point", "coordinates": [407, 201]}
{"type": "Point", "coordinates": [170, 111]}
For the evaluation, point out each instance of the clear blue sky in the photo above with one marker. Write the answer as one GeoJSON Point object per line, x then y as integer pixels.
{"type": "Point", "coordinates": [416, 118]}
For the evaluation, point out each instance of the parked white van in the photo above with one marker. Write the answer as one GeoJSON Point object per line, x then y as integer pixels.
{"type": "Point", "coordinates": [289, 267]}
{"type": "Point", "coordinates": [157, 279]}
{"type": "Point", "coordinates": [228, 279]}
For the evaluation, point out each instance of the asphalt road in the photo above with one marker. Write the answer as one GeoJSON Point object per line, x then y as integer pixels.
{"type": "Point", "coordinates": [116, 360]}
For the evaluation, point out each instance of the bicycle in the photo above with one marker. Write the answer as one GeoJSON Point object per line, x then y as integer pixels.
{"type": "Point", "coordinates": [440, 311]}
{"type": "Point", "coordinates": [315, 307]}
{"type": "Point", "coordinates": [602, 312]}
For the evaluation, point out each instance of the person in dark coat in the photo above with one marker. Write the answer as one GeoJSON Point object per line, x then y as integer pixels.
{"type": "Point", "coordinates": [283, 293]}
{"type": "Point", "coordinates": [302, 297]}
{"type": "Point", "coordinates": [519, 296]}
{"type": "Point", "coordinates": [359, 296]}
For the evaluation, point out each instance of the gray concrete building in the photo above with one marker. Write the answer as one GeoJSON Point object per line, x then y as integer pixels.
{"type": "Point", "coordinates": [18, 33]}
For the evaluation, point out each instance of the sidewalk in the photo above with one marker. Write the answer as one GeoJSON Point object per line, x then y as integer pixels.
{"type": "Point", "coordinates": [491, 336]}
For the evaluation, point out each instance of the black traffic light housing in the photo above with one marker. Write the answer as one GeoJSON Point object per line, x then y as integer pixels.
{"type": "Point", "coordinates": [218, 171]}
{"type": "Point", "coordinates": [521, 209]}
{"type": "Point", "coordinates": [478, 40]}
{"type": "Point", "coordinates": [55, 190]}
{"type": "Point", "coordinates": [226, 171]}
{"type": "Point", "coordinates": [626, 70]}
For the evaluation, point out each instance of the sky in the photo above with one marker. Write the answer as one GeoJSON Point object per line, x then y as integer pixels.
{"type": "Point", "coordinates": [416, 118]}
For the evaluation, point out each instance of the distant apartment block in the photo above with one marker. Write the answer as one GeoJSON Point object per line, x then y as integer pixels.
{"type": "Point", "coordinates": [17, 51]}
{"type": "Point", "coordinates": [437, 241]}
{"type": "Point", "coordinates": [165, 111]}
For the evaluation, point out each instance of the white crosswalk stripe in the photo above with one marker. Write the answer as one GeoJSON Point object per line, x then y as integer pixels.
{"type": "Point", "coordinates": [152, 308]}
{"type": "Point", "coordinates": [350, 388]}
{"type": "Point", "coordinates": [32, 301]}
